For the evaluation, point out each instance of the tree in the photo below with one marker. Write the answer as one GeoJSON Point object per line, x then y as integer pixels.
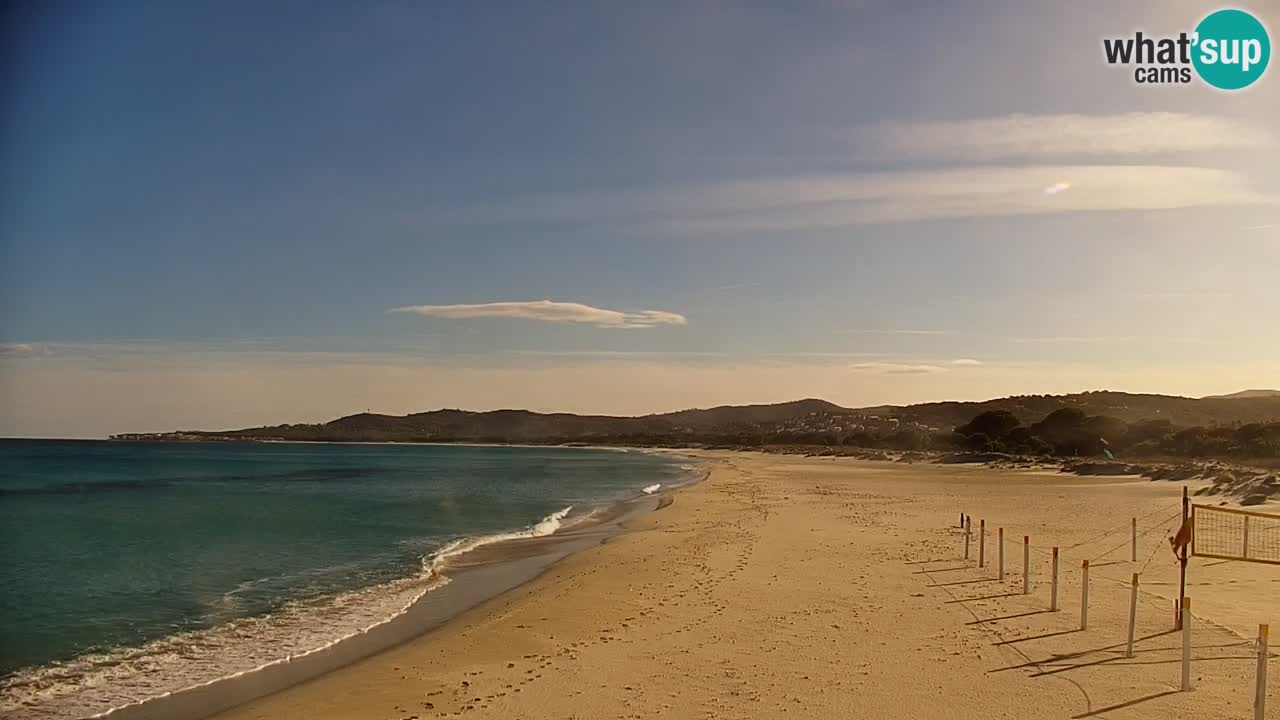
{"type": "Point", "coordinates": [909, 439]}
{"type": "Point", "coordinates": [1149, 430]}
{"type": "Point", "coordinates": [1258, 440]}
{"type": "Point", "coordinates": [1113, 430]}
{"type": "Point", "coordinates": [1199, 442]}
{"type": "Point", "coordinates": [980, 442]}
{"type": "Point", "coordinates": [1071, 432]}
{"type": "Point", "coordinates": [995, 424]}
{"type": "Point", "coordinates": [1064, 430]}
{"type": "Point", "coordinates": [1020, 440]}
{"type": "Point", "coordinates": [1059, 423]}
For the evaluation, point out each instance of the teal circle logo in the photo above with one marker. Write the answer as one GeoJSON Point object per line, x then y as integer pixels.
{"type": "Point", "coordinates": [1232, 49]}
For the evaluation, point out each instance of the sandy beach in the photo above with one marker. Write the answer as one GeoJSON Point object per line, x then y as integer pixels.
{"type": "Point", "coordinates": [800, 587]}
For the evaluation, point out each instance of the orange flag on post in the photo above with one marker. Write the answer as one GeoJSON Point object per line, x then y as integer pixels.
{"type": "Point", "coordinates": [1182, 538]}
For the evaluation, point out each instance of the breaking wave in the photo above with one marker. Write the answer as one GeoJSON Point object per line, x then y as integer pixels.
{"type": "Point", "coordinates": [123, 677]}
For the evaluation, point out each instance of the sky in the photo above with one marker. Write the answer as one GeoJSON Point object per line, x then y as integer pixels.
{"type": "Point", "coordinates": [216, 215]}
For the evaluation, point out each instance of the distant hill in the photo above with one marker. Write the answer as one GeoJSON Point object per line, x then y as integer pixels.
{"type": "Point", "coordinates": [1244, 395]}
{"type": "Point", "coordinates": [747, 423]}
{"type": "Point", "coordinates": [751, 414]}
{"type": "Point", "coordinates": [1129, 407]}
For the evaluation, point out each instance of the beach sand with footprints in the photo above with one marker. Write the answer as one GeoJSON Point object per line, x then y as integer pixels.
{"type": "Point", "coordinates": [787, 587]}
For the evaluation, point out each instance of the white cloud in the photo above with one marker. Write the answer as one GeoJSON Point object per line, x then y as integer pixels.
{"type": "Point", "coordinates": [966, 362]}
{"type": "Point", "coordinates": [1101, 339]}
{"type": "Point", "coordinates": [1184, 294]}
{"type": "Point", "coordinates": [620, 354]}
{"type": "Point", "coordinates": [549, 311]}
{"type": "Point", "coordinates": [1037, 137]}
{"type": "Point", "coordinates": [780, 203]}
{"type": "Point", "coordinates": [23, 350]}
{"type": "Point", "coordinates": [1010, 165]}
{"type": "Point", "coordinates": [1071, 339]}
{"type": "Point", "coordinates": [901, 332]}
{"type": "Point", "coordinates": [985, 192]}
{"type": "Point", "coordinates": [889, 368]}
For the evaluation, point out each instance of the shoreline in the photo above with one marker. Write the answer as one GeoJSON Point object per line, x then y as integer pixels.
{"type": "Point", "coordinates": [474, 577]}
{"type": "Point", "coordinates": [457, 576]}
{"type": "Point", "coordinates": [785, 585]}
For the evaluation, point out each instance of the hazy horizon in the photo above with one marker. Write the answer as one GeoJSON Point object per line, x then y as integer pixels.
{"type": "Point", "coordinates": [236, 216]}
{"type": "Point", "coordinates": [549, 411]}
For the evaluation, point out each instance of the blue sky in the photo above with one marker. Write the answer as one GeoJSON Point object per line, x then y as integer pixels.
{"type": "Point", "coordinates": [208, 213]}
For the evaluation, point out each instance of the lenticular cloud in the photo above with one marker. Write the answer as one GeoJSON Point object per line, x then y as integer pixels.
{"type": "Point", "coordinates": [550, 311]}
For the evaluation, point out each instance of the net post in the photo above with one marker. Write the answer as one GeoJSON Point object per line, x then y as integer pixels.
{"type": "Point", "coordinates": [1053, 593]}
{"type": "Point", "coordinates": [1084, 595]}
{"type": "Point", "coordinates": [1000, 552]}
{"type": "Point", "coordinates": [1133, 613]}
{"type": "Point", "coordinates": [1260, 692]}
{"type": "Point", "coordinates": [1186, 643]}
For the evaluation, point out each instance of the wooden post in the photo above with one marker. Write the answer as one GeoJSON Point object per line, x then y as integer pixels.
{"type": "Point", "coordinates": [1133, 545]}
{"type": "Point", "coordinates": [1084, 595]}
{"type": "Point", "coordinates": [1133, 613]}
{"type": "Point", "coordinates": [966, 541]}
{"type": "Point", "coordinates": [1186, 643]}
{"type": "Point", "coordinates": [1026, 564]}
{"type": "Point", "coordinates": [1053, 593]}
{"type": "Point", "coordinates": [1260, 693]}
{"type": "Point", "coordinates": [961, 519]}
{"type": "Point", "coordinates": [982, 543]}
{"type": "Point", "coordinates": [1000, 537]}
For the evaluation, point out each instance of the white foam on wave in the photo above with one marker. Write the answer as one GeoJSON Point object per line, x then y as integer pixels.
{"type": "Point", "coordinates": [126, 677]}
{"type": "Point", "coordinates": [652, 489]}
{"type": "Point", "coordinates": [435, 563]}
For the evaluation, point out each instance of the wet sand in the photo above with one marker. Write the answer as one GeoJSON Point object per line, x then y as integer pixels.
{"type": "Point", "coordinates": [796, 587]}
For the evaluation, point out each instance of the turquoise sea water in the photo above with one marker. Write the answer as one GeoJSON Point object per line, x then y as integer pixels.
{"type": "Point", "coordinates": [112, 550]}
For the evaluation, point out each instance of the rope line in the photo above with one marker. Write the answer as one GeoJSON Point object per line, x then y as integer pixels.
{"type": "Point", "coordinates": [1048, 552]}
{"type": "Point", "coordinates": [1123, 527]}
{"type": "Point", "coordinates": [1156, 550]}
{"type": "Point", "coordinates": [1144, 533]}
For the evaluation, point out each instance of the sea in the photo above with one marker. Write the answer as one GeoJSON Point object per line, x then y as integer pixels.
{"type": "Point", "coordinates": [134, 570]}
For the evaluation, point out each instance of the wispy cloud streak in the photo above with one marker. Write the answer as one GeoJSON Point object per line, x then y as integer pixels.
{"type": "Point", "coordinates": [1001, 166]}
{"type": "Point", "coordinates": [901, 332]}
{"type": "Point", "coordinates": [1039, 137]}
{"type": "Point", "coordinates": [819, 201]}
{"type": "Point", "coordinates": [550, 311]}
{"type": "Point", "coordinates": [889, 368]}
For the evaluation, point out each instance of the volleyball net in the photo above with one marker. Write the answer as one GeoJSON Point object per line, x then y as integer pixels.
{"type": "Point", "coordinates": [1231, 534]}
